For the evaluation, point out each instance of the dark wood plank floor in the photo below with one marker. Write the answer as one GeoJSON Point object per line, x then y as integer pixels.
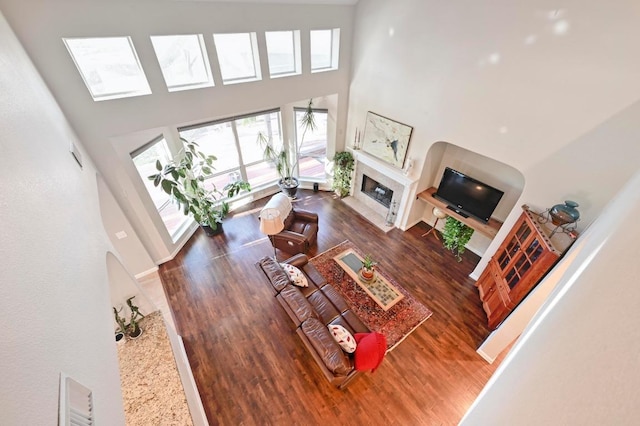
{"type": "Point", "coordinates": [251, 367]}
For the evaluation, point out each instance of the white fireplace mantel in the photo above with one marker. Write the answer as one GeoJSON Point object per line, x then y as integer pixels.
{"type": "Point", "coordinates": [403, 186]}
{"type": "Point", "coordinates": [389, 171]}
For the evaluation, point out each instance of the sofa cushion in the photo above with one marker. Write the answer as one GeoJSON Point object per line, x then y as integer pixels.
{"type": "Point", "coordinates": [342, 336]}
{"type": "Point", "coordinates": [278, 278]}
{"type": "Point", "coordinates": [370, 351]}
{"type": "Point", "coordinates": [298, 304]}
{"type": "Point", "coordinates": [336, 298]}
{"type": "Point", "coordinates": [353, 322]}
{"type": "Point", "coordinates": [326, 347]}
{"type": "Point", "coordinates": [295, 275]}
{"type": "Point", "coordinates": [323, 306]}
{"type": "Point", "coordinates": [313, 275]}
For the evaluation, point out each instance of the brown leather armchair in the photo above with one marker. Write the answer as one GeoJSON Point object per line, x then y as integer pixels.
{"type": "Point", "coordinates": [300, 226]}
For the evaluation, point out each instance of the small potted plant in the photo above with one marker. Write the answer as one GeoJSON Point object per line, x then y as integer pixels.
{"type": "Point", "coordinates": [122, 327]}
{"type": "Point", "coordinates": [366, 272]}
{"type": "Point", "coordinates": [133, 328]}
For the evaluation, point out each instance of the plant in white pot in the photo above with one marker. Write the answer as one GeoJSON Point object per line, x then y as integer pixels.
{"type": "Point", "coordinates": [185, 180]}
{"type": "Point", "coordinates": [285, 158]}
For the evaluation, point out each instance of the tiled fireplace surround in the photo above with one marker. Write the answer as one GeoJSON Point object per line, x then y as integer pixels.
{"type": "Point", "coordinates": [388, 176]}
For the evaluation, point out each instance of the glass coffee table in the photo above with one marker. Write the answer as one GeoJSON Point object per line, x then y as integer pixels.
{"type": "Point", "coordinates": [379, 288]}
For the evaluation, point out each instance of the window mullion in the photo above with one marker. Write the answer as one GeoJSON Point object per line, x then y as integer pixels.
{"type": "Point", "coordinates": [241, 166]}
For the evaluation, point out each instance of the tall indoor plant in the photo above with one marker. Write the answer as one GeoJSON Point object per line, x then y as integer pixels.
{"type": "Point", "coordinates": [342, 168]}
{"type": "Point", "coordinates": [185, 180]}
{"type": "Point", "coordinates": [286, 159]}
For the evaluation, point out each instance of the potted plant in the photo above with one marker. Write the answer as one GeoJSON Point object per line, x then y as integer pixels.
{"type": "Point", "coordinates": [122, 327]}
{"type": "Point", "coordinates": [366, 272]}
{"type": "Point", "coordinates": [342, 168]}
{"type": "Point", "coordinates": [132, 329]}
{"type": "Point", "coordinates": [185, 181]}
{"type": "Point", "coordinates": [455, 236]}
{"type": "Point", "coordinates": [285, 159]}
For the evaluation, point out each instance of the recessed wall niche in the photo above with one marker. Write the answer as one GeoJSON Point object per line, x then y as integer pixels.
{"type": "Point", "coordinates": [488, 170]}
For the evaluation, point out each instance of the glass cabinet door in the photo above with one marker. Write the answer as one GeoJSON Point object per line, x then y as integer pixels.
{"type": "Point", "coordinates": [513, 247]}
{"type": "Point", "coordinates": [520, 252]}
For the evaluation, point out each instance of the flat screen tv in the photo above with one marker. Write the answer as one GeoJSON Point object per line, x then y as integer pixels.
{"type": "Point", "coordinates": [468, 196]}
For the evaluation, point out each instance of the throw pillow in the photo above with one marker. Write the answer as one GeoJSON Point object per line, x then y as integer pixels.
{"type": "Point", "coordinates": [295, 275]}
{"type": "Point", "coordinates": [370, 351]}
{"type": "Point", "coordinates": [343, 337]}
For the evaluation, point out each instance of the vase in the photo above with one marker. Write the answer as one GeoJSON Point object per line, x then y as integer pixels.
{"type": "Point", "coordinates": [562, 214]}
{"type": "Point", "coordinates": [366, 274]}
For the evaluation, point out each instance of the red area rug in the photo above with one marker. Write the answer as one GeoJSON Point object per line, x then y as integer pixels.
{"type": "Point", "coordinates": [396, 323]}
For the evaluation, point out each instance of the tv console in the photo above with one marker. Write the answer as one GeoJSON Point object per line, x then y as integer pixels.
{"type": "Point", "coordinates": [489, 229]}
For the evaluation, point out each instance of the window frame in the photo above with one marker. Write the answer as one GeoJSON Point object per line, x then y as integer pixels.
{"type": "Point", "coordinates": [205, 59]}
{"type": "Point", "coordinates": [242, 166]}
{"type": "Point", "coordinates": [297, 57]}
{"type": "Point", "coordinates": [112, 95]}
{"type": "Point", "coordinates": [334, 53]}
{"type": "Point", "coordinates": [185, 221]}
{"type": "Point", "coordinates": [255, 55]}
{"type": "Point", "coordinates": [296, 110]}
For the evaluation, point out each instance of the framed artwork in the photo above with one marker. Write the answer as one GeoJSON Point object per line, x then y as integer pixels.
{"type": "Point", "coordinates": [386, 139]}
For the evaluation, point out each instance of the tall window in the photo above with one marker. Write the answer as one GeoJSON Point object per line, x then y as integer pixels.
{"type": "Point", "coordinates": [325, 49]}
{"type": "Point", "coordinates": [238, 57]}
{"type": "Point", "coordinates": [145, 161]}
{"type": "Point", "coordinates": [312, 155]}
{"type": "Point", "coordinates": [183, 60]}
{"type": "Point", "coordinates": [235, 144]}
{"type": "Point", "coordinates": [283, 48]}
{"type": "Point", "coordinates": [109, 67]}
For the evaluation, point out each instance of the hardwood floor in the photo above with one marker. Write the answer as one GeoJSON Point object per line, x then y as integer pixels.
{"type": "Point", "coordinates": [251, 367]}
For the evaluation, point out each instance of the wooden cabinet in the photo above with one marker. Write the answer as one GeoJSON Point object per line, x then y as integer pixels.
{"type": "Point", "coordinates": [524, 257]}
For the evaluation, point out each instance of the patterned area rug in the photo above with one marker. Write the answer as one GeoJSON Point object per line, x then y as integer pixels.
{"type": "Point", "coordinates": [396, 323]}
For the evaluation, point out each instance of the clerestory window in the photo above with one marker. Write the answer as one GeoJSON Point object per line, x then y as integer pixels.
{"type": "Point", "coordinates": [238, 57]}
{"type": "Point", "coordinates": [183, 60]}
{"type": "Point", "coordinates": [283, 49]}
{"type": "Point", "coordinates": [109, 67]}
{"type": "Point", "coordinates": [325, 49]}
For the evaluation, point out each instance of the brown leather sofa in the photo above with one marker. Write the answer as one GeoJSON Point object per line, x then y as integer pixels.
{"type": "Point", "coordinates": [312, 309]}
{"type": "Point", "coordinates": [300, 226]}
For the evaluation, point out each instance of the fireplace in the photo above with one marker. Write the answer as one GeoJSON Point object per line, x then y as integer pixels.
{"type": "Point", "coordinates": [381, 193]}
{"type": "Point", "coordinates": [376, 191]}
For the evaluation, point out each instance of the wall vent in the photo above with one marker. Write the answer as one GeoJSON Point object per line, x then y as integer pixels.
{"type": "Point", "coordinates": [76, 403]}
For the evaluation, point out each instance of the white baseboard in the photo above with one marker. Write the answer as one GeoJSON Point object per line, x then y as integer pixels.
{"type": "Point", "coordinates": [147, 272]}
{"type": "Point", "coordinates": [485, 356]}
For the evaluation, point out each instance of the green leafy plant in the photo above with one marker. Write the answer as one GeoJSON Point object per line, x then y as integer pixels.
{"type": "Point", "coordinates": [285, 159]}
{"type": "Point", "coordinates": [185, 180]}
{"type": "Point", "coordinates": [368, 262]}
{"type": "Point", "coordinates": [455, 236]}
{"type": "Point", "coordinates": [343, 164]}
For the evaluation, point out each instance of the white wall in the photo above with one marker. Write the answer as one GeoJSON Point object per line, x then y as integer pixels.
{"type": "Point", "coordinates": [577, 362]}
{"type": "Point", "coordinates": [41, 24]}
{"type": "Point", "coordinates": [132, 252]}
{"type": "Point", "coordinates": [563, 110]}
{"type": "Point", "coordinates": [54, 297]}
